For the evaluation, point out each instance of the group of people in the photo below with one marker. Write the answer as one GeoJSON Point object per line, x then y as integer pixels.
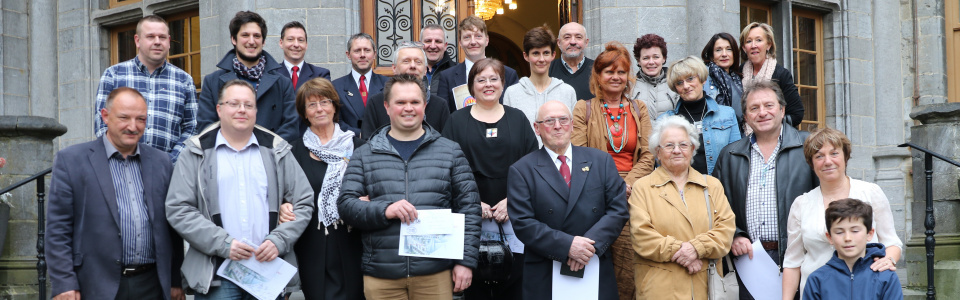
{"type": "Point", "coordinates": [651, 175]}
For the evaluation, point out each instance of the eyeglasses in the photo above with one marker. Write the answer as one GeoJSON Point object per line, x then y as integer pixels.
{"type": "Point", "coordinates": [236, 105]}
{"type": "Point", "coordinates": [564, 121]}
{"type": "Point", "coordinates": [689, 80]}
{"type": "Point", "coordinates": [482, 81]}
{"type": "Point", "coordinates": [684, 146]}
{"type": "Point", "coordinates": [323, 103]}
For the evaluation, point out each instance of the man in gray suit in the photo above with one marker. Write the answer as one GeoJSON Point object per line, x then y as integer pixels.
{"type": "Point", "coordinates": [107, 235]}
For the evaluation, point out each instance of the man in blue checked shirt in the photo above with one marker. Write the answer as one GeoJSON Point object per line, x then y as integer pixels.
{"type": "Point", "coordinates": [169, 91]}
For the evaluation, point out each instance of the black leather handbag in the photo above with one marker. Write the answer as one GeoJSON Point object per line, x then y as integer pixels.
{"type": "Point", "coordinates": [495, 261]}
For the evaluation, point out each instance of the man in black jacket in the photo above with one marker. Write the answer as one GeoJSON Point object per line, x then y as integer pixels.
{"type": "Point", "coordinates": [763, 173]}
{"type": "Point", "coordinates": [248, 61]}
{"type": "Point", "coordinates": [406, 167]}
{"type": "Point", "coordinates": [435, 45]}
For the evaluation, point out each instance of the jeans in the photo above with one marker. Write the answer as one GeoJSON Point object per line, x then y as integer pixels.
{"type": "Point", "coordinates": [227, 291]}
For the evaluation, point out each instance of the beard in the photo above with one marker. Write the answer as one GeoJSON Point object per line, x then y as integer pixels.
{"type": "Point", "coordinates": [244, 57]}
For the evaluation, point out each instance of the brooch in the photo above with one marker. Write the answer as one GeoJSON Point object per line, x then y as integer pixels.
{"type": "Point", "coordinates": [349, 94]}
{"type": "Point", "coordinates": [585, 169]}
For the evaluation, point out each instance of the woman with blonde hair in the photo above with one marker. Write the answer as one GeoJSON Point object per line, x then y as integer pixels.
{"type": "Point", "coordinates": [760, 53]}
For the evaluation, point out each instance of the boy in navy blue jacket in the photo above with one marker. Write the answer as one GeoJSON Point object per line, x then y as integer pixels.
{"type": "Point", "coordinates": [848, 275]}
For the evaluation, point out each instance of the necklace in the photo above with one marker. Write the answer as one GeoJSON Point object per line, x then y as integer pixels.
{"type": "Point", "coordinates": [615, 129]}
{"type": "Point", "coordinates": [697, 124]}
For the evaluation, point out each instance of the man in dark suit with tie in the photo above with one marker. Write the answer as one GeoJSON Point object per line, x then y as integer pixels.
{"type": "Point", "coordinates": [355, 88]}
{"type": "Point", "coordinates": [473, 42]}
{"type": "Point", "coordinates": [293, 42]}
{"type": "Point", "coordinates": [107, 233]}
{"type": "Point", "coordinates": [567, 204]}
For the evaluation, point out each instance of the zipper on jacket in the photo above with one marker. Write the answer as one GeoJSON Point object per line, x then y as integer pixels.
{"type": "Point", "coordinates": [406, 195]}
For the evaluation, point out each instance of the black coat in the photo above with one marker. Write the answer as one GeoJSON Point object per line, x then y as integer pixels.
{"type": "Point", "coordinates": [457, 76]}
{"type": "Point", "coordinates": [441, 66]}
{"type": "Point", "coordinates": [276, 98]}
{"type": "Point", "coordinates": [794, 177]}
{"type": "Point", "coordinates": [351, 103]}
{"type": "Point", "coordinates": [437, 176]}
{"type": "Point", "coordinates": [794, 109]}
{"type": "Point", "coordinates": [547, 214]}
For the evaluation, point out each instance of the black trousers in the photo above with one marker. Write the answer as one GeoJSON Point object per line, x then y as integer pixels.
{"type": "Point", "coordinates": [141, 286]}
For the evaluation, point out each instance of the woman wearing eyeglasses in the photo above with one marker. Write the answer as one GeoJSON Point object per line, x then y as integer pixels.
{"type": "Point", "coordinates": [674, 230]}
{"type": "Point", "coordinates": [715, 124]}
{"type": "Point", "coordinates": [327, 251]}
{"type": "Point", "coordinates": [615, 123]}
{"type": "Point", "coordinates": [492, 137]}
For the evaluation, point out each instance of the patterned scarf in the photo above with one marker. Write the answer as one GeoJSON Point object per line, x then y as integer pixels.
{"type": "Point", "coordinates": [721, 79]}
{"type": "Point", "coordinates": [336, 153]}
{"type": "Point", "coordinates": [253, 73]}
{"type": "Point", "coordinates": [765, 74]}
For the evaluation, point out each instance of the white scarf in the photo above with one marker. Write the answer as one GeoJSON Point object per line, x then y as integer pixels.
{"type": "Point", "coordinates": [765, 73]}
{"type": "Point", "coordinates": [336, 153]}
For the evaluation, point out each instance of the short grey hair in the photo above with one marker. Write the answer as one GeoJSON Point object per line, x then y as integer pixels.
{"type": "Point", "coordinates": [360, 36]}
{"type": "Point", "coordinates": [674, 121]}
{"type": "Point", "coordinates": [433, 26]}
{"type": "Point", "coordinates": [408, 45]}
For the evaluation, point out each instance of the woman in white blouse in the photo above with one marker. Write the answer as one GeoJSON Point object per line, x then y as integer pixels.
{"type": "Point", "coordinates": [827, 151]}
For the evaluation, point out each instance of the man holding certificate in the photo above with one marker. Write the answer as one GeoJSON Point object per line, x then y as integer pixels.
{"type": "Point", "coordinates": [567, 205]}
{"type": "Point", "coordinates": [404, 168]}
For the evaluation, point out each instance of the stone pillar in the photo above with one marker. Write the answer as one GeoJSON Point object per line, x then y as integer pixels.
{"type": "Point", "coordinates": [27, 144]}
{"type": "Point", "coordinates": [938, 133]}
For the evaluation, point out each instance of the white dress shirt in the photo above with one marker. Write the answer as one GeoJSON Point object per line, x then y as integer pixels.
{"type": "Point", "coordinates": [242, 189]}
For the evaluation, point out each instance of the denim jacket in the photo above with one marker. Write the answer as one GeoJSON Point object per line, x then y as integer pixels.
{"type": "Point", "coordinates": [719, 129]}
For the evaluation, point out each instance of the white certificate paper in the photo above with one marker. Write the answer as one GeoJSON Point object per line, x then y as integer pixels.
{"type": "Point", "coordinates": [489, 231]}
{"type": "Point", "coordinates": [569, 287]}
{"type": "Point", "coordinates": [264, 280]}
{"type": "Point", "coordinates": [436, 233]}
{"type": "Point", "coordinates": [462, 97]}
{"type": "Point", "coordinates": [761, 275]}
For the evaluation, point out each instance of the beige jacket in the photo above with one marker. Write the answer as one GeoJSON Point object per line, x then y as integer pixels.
{"type": "Point", "coordinates": [660, 221]}
{"type": "Point", "coordinates": [594, 134]}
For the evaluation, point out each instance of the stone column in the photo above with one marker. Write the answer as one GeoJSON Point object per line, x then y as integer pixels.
{"type": "Point", "coordinates": [938, 133]}
{"type": "Point", "coordinates": [27, 144]}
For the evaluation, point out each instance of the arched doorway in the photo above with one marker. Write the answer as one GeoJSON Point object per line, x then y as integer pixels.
{"type": "Point", "coordinates": [510, 54]}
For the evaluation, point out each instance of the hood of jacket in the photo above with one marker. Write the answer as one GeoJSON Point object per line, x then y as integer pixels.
{"type": "Point", "coordinates": [531, 90]}
{"type": "Point", "coordinates": [872, 250]}
{"type": "Point", "coordinates": [226, 62]}
{"type": "Point", "coordinates": [207, 139]}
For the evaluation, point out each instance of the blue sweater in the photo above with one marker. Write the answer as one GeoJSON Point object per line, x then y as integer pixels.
{"type": "Point", "coordinates": [835, 281]}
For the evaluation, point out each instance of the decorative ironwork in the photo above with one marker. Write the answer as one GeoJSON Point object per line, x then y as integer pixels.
{"type": "Point", "coordinates": [930, 221]}
{"type": "Point", "coordinates": [394, 24]}
{"type": "Point", "coordinates": [41, 227]}
{"type": "Point", "coordinates": [443, 13]}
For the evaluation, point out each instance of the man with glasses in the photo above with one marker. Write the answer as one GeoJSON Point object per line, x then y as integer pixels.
{"type": "Point", "coordinates": [473, 42]}
{"type": "Point", "coordinates": [170, 93]}
{"type": "Point", "coordinates": [574, 67]}
{"type": "Point", "coordinates": [567, 204]}
{"type": "Point", "coordinates": [356, 88]}
{"type": "Point", "coordinates": [409, 58]}
{"type": "Point", "coordinates": [226, 190]}
{"type": "Point", "coordinates": [763, 173]}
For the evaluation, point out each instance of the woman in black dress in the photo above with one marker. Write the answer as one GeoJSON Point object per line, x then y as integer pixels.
{"type": "Point", "coordinates": [328, 253]}
{"type": "Point", "coordinates": [493, 137]}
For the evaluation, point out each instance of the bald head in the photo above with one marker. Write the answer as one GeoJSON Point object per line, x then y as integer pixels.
{"type": "Point", "coordinates": [572, 39]}
{"type": "Point", "coordinates": [550, 106]}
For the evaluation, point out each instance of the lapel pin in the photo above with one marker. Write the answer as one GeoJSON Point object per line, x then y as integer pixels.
{"type": "Point", "coordinates": [349, 94]}
{"type": "Point", "coordinates": [586, 169]}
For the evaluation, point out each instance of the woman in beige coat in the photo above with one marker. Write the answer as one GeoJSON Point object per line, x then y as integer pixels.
{"type": "Point", "coordinates": [669, 220]}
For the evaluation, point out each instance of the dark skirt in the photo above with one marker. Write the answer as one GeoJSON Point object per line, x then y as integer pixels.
{"type": "Point", "coordinates": [329, 265]}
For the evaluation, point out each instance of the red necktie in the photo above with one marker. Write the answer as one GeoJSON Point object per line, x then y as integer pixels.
{"type": "Point", "coordinates": [295, 77]}
{"type": "Point", "coordinates": [363, 89]}
{"type": "Point", "coordinates": [564, 169]}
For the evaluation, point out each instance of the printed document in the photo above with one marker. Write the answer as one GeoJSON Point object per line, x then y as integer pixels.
{"type": "Point", "coordinates": [264, 280]}
{"type": "Point", "coordinates": [436, 233]}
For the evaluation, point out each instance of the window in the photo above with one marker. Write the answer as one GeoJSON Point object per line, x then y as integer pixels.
{"type": "Point", "coordinates": [952, 21]}
{"type": "Point", "coordinates": [808, 67]}
{"type": "Point", "coordinates": [184, 43]}
{"type": "Point", "coordinates": [391, 21]}
{"type": "Point", "coordinates": [753, 12]}
{"type": "Point", "coordinates": [115, 3]}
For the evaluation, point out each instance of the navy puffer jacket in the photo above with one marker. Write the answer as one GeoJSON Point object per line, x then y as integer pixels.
{"type": "Point", "coordinates": [437, 176]}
